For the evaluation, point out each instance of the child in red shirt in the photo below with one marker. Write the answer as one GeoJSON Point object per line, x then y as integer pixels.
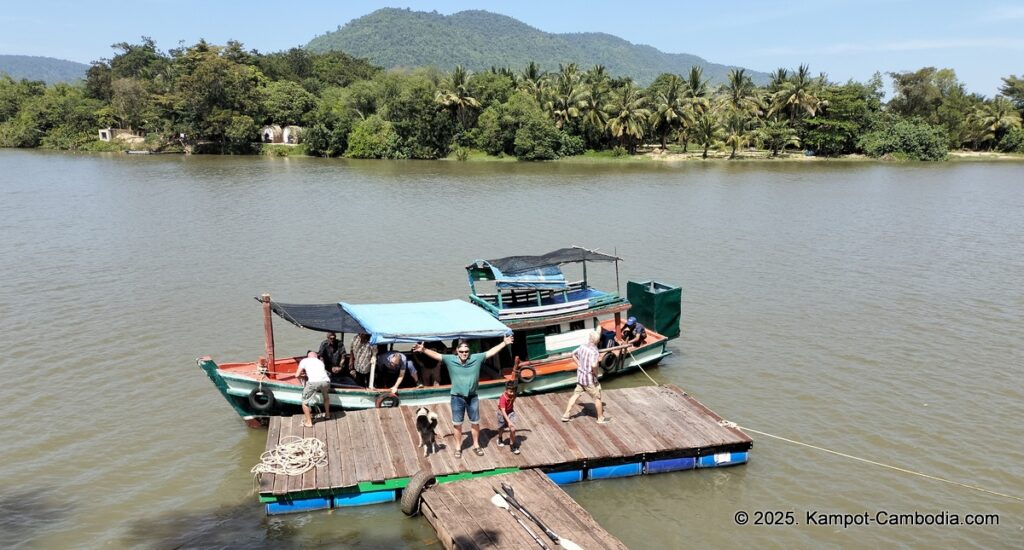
{"type": "Point", "coordinates": [507, 416]}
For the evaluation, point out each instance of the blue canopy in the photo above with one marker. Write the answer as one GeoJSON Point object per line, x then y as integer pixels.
{"type": "Point", "coordinates": [549, 276]}
{"type": "Point", "coordinates": [425, 321]}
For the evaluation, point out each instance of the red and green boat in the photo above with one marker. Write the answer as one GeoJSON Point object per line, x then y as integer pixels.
{"type": "Point", "coordinates": [528, 296]}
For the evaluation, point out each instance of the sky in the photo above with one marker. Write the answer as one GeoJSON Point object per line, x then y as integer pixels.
{"type": "Point", "coordinates": [846, 39]}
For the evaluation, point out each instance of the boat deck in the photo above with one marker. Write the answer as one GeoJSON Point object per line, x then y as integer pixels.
{"type": "Point", "coordinates": [373, 453]}
{"type": "Point", "coordinates": [463, 516]}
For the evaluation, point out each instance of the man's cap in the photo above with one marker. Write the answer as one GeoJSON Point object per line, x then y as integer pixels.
{"type": "Point", "coordinates": [631, 321]}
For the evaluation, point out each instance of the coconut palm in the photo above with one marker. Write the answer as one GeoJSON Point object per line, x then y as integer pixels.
{"type": "Point", "coordinates": [566, 96]}
{"type": "Point", "coordinates": [592, 103]}
{"type": "Point", "coordinates": [627, 114]}
{"type": "Point", "coordinates": [797, 95]}
{"type": "Point", "coordinates": [739, 92]}
{"type": "Point", "coordinates": [993, 119]}
{"type": "Point", "coordinates": [706, 131]}
{"type": "Point", "coordinates": [670, 110]}
{"type": "Point", "coordinates": [775, 134]}
{"type": "Point", "coordinates": [457, 97]}
{"type": "Point", "coordinates": [737, 130]}
{"type": "Point", "coordinates": [532, 80]}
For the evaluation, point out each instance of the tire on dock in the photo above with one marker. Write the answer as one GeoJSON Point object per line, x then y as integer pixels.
{"type": "Point", "coordinates": [412, 492]}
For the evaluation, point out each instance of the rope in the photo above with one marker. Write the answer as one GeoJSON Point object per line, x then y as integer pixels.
{"type": "Point", "coordinates": [292, 457]}
{"type": "Point", "coordinates": [728, 424]}
{"type": "Point", "coordinates": [653, 381]}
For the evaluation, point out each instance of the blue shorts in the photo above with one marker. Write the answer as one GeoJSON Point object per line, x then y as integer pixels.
{"type": "Point", "coordinates": [461, 405]}
{"type": "Point", "coordinates": [501, 418]}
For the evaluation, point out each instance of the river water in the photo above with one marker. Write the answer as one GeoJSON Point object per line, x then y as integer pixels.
{"type": "Point", "coordinates": [874, 309]}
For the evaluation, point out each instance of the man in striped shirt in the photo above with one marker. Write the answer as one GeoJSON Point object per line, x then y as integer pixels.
{"type": "Point", "coordinates": [586, 357]}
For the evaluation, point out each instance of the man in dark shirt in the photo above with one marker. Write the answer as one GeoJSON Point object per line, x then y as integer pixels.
{"type": "Point", "coordinates": [633, 333]}
{"type": "Point", "coordinates": [332, 353]}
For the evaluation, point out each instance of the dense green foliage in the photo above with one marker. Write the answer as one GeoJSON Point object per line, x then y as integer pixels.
{"type": "Point", "coordinates": [46, 69]}
{"type": "Point", "coordinates": [479, 40]}
{"type": "Point", "coordinates": [216, 99]}
{"type": "Point", "coordinates": [908, 139]}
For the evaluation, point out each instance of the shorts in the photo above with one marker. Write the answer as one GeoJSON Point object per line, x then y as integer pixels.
{"type": "Point", "coordinates": [461, 405]}
{"type": "Point", "coordinates": [594, 391]}
{"type": "Point", "coordinates": [312, 390]}
{"type": "Point", "coordinates": [501, 418]}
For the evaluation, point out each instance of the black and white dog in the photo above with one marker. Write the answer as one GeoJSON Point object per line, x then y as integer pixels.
{"type": "Point", "coordinates": [426, 421]}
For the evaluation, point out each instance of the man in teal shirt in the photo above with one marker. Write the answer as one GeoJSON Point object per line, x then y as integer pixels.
{"type": "Point", "coordinates": [464, 370]}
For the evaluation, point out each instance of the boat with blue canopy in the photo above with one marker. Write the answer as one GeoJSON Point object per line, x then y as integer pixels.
{"type": "Point", "coordinates": [532, 298]}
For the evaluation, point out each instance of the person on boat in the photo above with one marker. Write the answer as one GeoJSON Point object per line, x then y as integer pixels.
{"type": "Point", "coordinates": [313, 375]}
{"type": "Point", "coordinates": [586, 357]}
{"type": "Point", "coordinates": [633, 333]}
{"type": "Point", "coordinates": [507, 416]}
{"type": "Point", "coordinates": [464, 370]}
{"type": "Point", "coordinates": [429, 369]}
{"type": "Point", "coordinates": [391, 369]}
{"type": "Point", "coordinates": [332, 353]}
{"type": "Point", "coordinates": [363, 358]}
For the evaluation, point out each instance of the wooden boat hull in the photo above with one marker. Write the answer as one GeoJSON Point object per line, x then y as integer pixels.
{"type": "Point", "coordinates": [236, 381]}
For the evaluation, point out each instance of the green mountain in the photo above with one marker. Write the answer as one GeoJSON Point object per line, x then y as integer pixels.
{"type": "Point", "coordinates": [48, 69]}
{"type": "Point", "coordinates": [478, 40]}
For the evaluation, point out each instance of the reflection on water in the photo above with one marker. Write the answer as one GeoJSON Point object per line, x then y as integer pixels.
{"type": "Point", "coordinates": [871, 308]}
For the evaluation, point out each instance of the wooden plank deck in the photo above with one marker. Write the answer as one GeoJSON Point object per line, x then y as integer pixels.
{"type": "Point", "coordinates": [464, 517]}
{"type": "Point", "coordinates": [378, 445]}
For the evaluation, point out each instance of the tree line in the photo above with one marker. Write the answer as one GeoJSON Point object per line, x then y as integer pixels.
{"type": "Point", "coordinates": [217, 98]}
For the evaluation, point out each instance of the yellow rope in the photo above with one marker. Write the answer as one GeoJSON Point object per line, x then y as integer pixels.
{"type": "Point", "coordinates": [653, 381]}
{"type": "Point", "coordinates": [729, 424]}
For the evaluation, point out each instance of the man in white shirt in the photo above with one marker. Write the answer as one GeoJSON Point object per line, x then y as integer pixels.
{"type": "Point", "coordinates": [316, 381]}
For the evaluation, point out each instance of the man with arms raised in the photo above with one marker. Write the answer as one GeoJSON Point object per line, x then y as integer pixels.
{"type": "Point", "coordinates": [464, 370]}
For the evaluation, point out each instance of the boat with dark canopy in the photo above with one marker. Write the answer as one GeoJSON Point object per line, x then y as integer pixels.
{"type": "Point", "coordinates": [532, 298]}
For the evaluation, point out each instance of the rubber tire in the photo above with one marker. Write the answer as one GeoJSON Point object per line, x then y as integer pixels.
{"type": "Point", "coordinates": [265, 406]}
{"type": "Point", "coordinates": [419, 482]}
{"type": "Point", "coordinates": [527, 374]}
{"type": "Point", "coordinates": [610, 363]}
{"type": "Point", "coordinates": [386, 401]}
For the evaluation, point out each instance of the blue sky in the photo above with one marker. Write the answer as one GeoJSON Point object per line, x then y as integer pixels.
{"type": "Point", "coordinates": [982, 40]}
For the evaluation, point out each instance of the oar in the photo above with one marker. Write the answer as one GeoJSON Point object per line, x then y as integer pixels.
{"type": "Point", "coordinates": [510, 496]}
{"type": "Point", "coordinates": [500, 503]}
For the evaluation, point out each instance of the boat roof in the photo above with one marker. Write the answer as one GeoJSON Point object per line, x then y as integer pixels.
{"type": "Point", "coordinates": [424, 321]}
{"type": "Point", "coordinates": [322, 317]}
{"type": "Point", "coordinates": [539, 272]}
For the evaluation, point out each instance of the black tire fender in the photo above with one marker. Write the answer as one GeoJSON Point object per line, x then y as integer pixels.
{"type": "Point", "coordinates": [527, 374]}
{"type": "Point", "coordinates": [386, 401]}
{"type": "Point", "coordinates": [609, 363]}
{"type": "Point", "coordinates": [419, 482]}
{"type": "Point", "coordinates": [262, 399]}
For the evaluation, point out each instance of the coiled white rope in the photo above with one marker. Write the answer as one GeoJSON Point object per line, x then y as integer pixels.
{"type": "Point", "coordinates": [728, 424]}
{"type": "Point", "coordinates": [292, 457]}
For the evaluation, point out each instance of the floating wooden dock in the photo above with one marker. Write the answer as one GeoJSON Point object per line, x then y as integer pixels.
{"type": "Point", "coordinates": [373, 453]}
{"type": "Point", "coordinates": [464, 516]}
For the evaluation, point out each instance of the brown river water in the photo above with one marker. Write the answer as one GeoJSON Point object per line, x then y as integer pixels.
{"type": "Point", "coordinates": [874, 309]}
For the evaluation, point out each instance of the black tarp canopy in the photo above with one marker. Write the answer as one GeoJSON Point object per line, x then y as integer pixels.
{"type": "Point", "coordinates": [574, 254]}
{"type": "Point", "coordinates": [321, 317]}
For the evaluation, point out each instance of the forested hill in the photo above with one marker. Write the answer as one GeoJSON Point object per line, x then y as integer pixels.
{"type": "Point", "coordinates": [48, 69]}
{"type": "Point", "coordinates": [479, 40]}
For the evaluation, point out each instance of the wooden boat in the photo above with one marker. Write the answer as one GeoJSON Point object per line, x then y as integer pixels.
{"type": "Point", "coordinates": [549, 321]}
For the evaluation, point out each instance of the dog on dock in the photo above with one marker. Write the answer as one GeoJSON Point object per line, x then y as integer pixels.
{"type": "Point", "coordinates": [426, 422]}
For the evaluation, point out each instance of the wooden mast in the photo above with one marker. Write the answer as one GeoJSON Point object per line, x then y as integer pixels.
{"type": "Point", "coordinates": [268, 334]}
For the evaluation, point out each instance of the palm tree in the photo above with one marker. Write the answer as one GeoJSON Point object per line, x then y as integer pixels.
{"type": "Point", "coordinates": [458, 98]}
{"type": "Point", "coordinates": [592, 104]}
{"type": "Point", "coordinates": [670, 112]}
{"type": "Point", "coordinates": [532, 80]}
{"type": "Point", "coordinates": [737, 130]}
{"type": "Point", "coordinates": [626, 116]}
{"type": "Point", "coordinates": [993, 119]}
{"type": "Point", "coordinates": [775, 134]}
{"type": "Point", "coordinates": [739, 92]}
{"type": "Point", "coordinates": [797, 95]}
{"type": "Point", "coordinates": [706, 131]}
{"type": "Point", "coordinates": [698, 102]}
{"type": "Point", "coordinates": [566, 96]}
